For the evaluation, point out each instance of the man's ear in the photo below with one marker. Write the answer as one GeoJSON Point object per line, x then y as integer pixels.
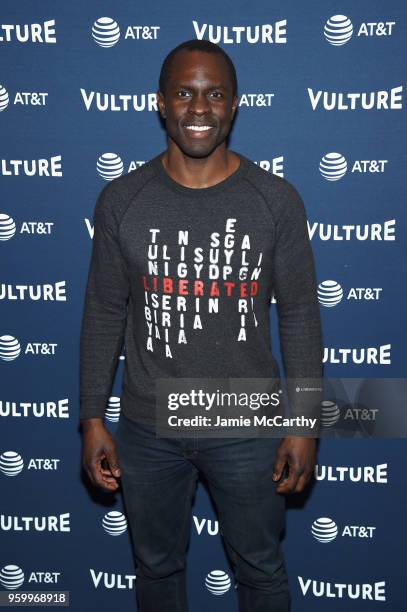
{"type": "Point", "coordinates": [235, 102]}
{"type": "Point", "coordinates": [161, 104]}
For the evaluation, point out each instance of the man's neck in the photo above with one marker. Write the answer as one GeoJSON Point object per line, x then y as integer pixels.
{"type": "Point", "coordinates": [199, 173]}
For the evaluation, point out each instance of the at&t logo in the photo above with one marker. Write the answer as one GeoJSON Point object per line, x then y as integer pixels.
{"type": "Point", "coordinates": [12, 463]}
{"type": "Point", "coordinates": [325, 530]}
{"type": "Point", "coordinates": [110, 166]}
{"type": "Point", "coordinates": [114, 523]}
{"type": "Point", "coordinates": [8, 227]}
{"type": "Point", "coordinates": [330, 414]}
{"type": "Point", "coordinates": [338, 29]}
{"type": "Point", "coordinates": [333, 166]}
{"type": "Point", "coordinates": [112, 412]}
{"type": "Point", "coordinates": [255, 99]}
{"type": "Point", "coordinates": [106, 32]}
{"type": "Point", "coordinates": [12, 577]}
{"type": "Point", "coordinates": [218, 582]}
{"type": "Point", "coordinates": [23, 98]}
{"type": "Point", "coordinates": [10, 348]}
{"type": "Point", "coordinates": [330, 293]}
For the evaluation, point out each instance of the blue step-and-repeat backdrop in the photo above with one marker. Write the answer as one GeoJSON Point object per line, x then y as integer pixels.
{"type": "Point", "coordinates": [322, 103]}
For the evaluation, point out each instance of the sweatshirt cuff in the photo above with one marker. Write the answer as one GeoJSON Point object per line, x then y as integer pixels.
{"type": "Point", "coordinates": [93, 406]}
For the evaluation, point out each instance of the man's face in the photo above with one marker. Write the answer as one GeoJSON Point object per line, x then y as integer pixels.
{"type": "Point", "coordinates": [198, 105]}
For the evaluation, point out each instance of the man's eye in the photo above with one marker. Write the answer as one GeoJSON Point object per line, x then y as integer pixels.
{"type": "Point", "coordinates": [217, 94]}
{"type": "Point", "coordinates": [182, 91]}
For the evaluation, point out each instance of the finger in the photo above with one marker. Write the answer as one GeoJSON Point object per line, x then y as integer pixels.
{"type": "Point", "coordinates": [106, 475]}
{"type": "Point", "coordinates": [113, 461]}
{"type": "Point", "coordinates": [107, 483]}
{"type": "Point", "coordinates": [288, 485]}
{"type": "Point", "coordinates": [100, 479]}
{"type": "Point", "coordinates": [110, 486]}
{"type": "Point", "coordinates": [302, 482]}
{"type": "Point", "coordinates": [106, 472]}
{"type": "Point", "coordinates": [100, 464]}
{"type": "Point", "coordinates": [89, 474]}
{"type": "Point", "coordinates": [279, 466]}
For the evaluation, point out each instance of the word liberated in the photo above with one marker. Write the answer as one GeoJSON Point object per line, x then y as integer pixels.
{"type": "Point", "coordinates": [199, 288]}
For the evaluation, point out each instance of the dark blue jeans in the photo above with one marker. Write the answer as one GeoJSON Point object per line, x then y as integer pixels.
{"type": "Point", "coordinates": [159, 477]}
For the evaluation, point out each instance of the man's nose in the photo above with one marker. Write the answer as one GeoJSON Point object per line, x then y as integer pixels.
{"type": "Point", "coordinates": [199, 105]}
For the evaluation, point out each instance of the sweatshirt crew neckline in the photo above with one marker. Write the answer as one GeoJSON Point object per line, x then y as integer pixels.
{"type": "Point", "coordinates": [201, 191]}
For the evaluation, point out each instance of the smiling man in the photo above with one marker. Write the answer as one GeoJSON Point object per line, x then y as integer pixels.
{"type": "Point", "coordinates": [187, 251]}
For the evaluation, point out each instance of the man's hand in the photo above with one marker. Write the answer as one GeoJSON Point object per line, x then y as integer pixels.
{"type": "Point", "coordinates": [98, 445]}
{"type": "Point", "coordinates": [300, 456]}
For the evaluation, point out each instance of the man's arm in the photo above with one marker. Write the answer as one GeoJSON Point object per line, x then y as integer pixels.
{"type": "Point", "coordinates": [295, 289]}
{"type": "Point", "coordinates": [105, 309]}
{"type": "Point", "coordinates": [102, 335]}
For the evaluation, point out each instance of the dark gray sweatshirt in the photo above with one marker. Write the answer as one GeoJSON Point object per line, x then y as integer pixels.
{"type": "Point", "coordinates": [183, 278]}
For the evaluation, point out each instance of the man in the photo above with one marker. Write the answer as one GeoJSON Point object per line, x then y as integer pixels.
{"type": "Point", "coordinates": [172, 242]}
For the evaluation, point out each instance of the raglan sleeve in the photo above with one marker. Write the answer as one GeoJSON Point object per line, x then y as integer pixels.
{"type": "Point", "coordinates": [105, 308]}
{"type": "Point", "coordinates": [295, 290]}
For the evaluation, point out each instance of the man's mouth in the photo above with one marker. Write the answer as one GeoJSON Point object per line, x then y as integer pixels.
{"type": "Point", "coordinates": [198, 128]}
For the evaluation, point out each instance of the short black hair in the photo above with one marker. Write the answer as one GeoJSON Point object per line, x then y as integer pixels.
{"type": "Point", "coordinates": [196, 45]}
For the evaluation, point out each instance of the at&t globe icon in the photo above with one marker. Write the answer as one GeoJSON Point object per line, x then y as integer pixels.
{"type": "Point", "coordinates": [112, 413]}
{"type": "Point", "coordinates": [217, 582]}
{"type": "Point", "coordinates": [11, 577]}
{"type": "Point", "coordinates": [324, 529]}
{"type": "Point", "coordinates": [7, 227]}
{"type": "Point", "coordinates": [105, 32]}
{"type": "Point", "coordinates": [330, 413]}
{"type": "Point", "coordinates": [338, 30]}
{"type": "Point", "coordinates": [114, 523]}
{"type": "Point", "coordinates": [9, 348]}
{"type": "Point", "coordinates": [11, 463]}
{"type": "Point", "coordinates": [330, 293]}
{"type": "Point", "coordinates": [333, 166]}
{"type": "Point", "coordinates": [4, 99]}
{"type": "Point", "coordinates": [109, 166]}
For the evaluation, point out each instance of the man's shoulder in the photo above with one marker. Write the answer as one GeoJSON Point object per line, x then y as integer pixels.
{"type": "Point", "coordinates": [115, 197]}
{"type": "Point", "coordinates": [127, 185]}
{"type": "Point", "coordinates": [269, 184]}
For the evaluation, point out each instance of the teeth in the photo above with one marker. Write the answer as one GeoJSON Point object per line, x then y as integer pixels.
{"type": "Point", "coordinates": [198, 128]}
